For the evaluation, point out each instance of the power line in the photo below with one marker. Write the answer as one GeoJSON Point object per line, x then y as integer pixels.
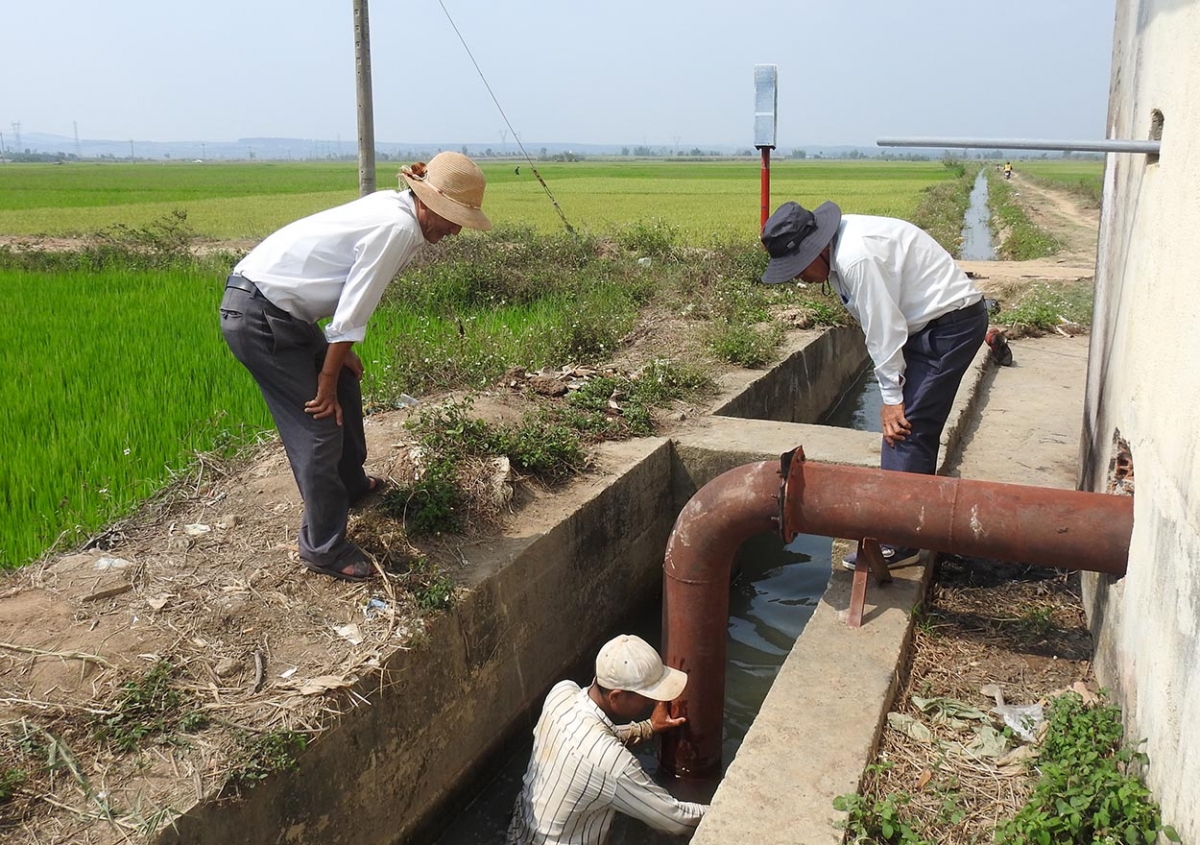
{"type": "Point", "coordinates": [532, 166]}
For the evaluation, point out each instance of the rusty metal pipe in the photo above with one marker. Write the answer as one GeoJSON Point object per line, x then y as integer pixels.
{"type": "Point", "coordinates": [730, 509]}
{"type": "Point", "coordinates": [1013, 522]}
{"type": "Point", "coordinates": [1060, 528]}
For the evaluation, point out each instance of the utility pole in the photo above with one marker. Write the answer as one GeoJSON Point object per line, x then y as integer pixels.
{"type": "Point", "coordinates": [17, 131]}
{"type": "Point", "coordinates": [78, 152]}
{"type": "Point", "coordinates": [3, 157]}
{"type": "Point", "coordinates": [366, 111]}
{"type": "Point", "coordinates": [131, 149]}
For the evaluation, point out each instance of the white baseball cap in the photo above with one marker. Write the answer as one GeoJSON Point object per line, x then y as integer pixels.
{"type": "Point", "coordinates": [630, 663]}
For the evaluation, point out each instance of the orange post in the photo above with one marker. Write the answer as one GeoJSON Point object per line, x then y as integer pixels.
{"type": "Point", "coordinates": [766, 186]}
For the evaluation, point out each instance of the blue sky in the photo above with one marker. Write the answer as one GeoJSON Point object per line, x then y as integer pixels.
{"type": "Point", "coordinates": [619, 72]}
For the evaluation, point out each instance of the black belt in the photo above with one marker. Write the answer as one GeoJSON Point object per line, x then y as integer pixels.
{"type": "Point", "coordinates": [242, 283]}
{"type": "Point", "coordinates": [966, 313]}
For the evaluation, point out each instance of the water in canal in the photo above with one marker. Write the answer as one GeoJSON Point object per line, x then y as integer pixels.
{"type": "Point", "coordinates": [977, 229]}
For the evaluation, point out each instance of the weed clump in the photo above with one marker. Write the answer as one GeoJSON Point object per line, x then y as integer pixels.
{"type": "Point", "coordinates": [1088, 790]}
{"type": "Point", "coordinates": [147, 707]}
{"type": "Point", "coordinates": [745, 345]}
{"type": "Point", "coordinates": [260, 756]}
{"type": "Point", "coordinates": [11, 780]}
{"type": "Point", "coordinates": [1043, 307]}
{"type": "Point", "coordinates": [430, 588]}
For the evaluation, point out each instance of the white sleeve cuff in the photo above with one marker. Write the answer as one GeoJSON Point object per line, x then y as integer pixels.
{"type": "Point", "coordinates": [348, 335]}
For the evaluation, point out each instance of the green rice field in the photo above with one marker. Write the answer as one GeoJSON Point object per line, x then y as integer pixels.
{"type": "Point", "coordinates": [117, 373]}
{"type": "Point", "coordinates": [113, 380]}
{"type": "Point", "coordinates": [249, 200]}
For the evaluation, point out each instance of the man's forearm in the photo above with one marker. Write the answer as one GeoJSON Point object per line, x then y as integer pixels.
{"type": "Point", "coordinates": [335, 358]}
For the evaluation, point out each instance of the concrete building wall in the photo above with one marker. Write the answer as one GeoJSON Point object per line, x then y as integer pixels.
{"type": "Point", "coordinates": [1143, 381]}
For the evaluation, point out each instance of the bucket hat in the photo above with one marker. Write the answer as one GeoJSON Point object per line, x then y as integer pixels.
{"type": "Point", "coordinates": [795, 236]}
{"type": "Point", "coordinates": [630, 663]}
{"type": "Point", "coordinates": [451, 185]}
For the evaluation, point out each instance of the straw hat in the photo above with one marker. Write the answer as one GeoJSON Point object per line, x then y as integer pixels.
{"type": "Point", "coordinates": [451, 185]}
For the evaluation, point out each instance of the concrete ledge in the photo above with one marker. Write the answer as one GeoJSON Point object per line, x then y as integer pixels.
{"type": "Point", "coordinates": [814, 371]}
{"type": "Point", "coordinates": [820, 723]}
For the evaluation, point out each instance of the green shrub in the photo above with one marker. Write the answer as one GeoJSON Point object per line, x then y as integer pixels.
{"type": "Point", "coordinates": [745, 345]}
{"type": "Point", "coordinates": [649, 238]}
{"type": "Point", "coordinates": [433, 504]}
{"type": "Point", "coordinates": [1088, 791]}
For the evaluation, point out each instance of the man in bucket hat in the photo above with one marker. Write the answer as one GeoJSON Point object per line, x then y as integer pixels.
{"type": "Point", "coordinates": [581, 772]}
{"type": "Point", "coordinates": [922, 316]}
{"type": "Point", "coordinates": [336, 264]}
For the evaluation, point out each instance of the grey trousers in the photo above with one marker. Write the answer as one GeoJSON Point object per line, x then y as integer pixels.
{"type": "Point", "coordinates": [935, 358]}
{"type": "Point", "coordinates": [284, 355]}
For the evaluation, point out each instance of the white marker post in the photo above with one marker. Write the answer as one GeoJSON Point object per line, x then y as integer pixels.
{"type": "Point", "coordinates": [766, 102]}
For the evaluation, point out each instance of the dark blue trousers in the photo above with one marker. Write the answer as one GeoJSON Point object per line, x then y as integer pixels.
{"type": "Point", "coordinates": [936, 358]}
{"type": "Point", "coordinates": [285, 355]}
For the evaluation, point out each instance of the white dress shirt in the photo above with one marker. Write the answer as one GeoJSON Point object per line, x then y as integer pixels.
{"type": "Point", "coordinates": [336, 263]}
{"type": "Point", "coordinates": [580, 774]}
{"type": "Point", "coordinates": [895, 279]}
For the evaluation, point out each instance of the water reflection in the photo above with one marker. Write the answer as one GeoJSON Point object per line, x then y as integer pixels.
{"type": "Point", "coordinates": [859, 407]}
{"type": "Point", "coordinates": [977, 229]}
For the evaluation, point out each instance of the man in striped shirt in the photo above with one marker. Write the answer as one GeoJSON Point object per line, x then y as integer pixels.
{"type": "Point", "coordinates": [581, 772]}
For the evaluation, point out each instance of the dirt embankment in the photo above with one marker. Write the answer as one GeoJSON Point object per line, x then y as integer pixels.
{"type": "Point", "coordinates": [207, 579]}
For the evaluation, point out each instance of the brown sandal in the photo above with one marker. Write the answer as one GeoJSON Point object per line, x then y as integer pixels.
{"type": "Point", "coordinates": [358, 570]}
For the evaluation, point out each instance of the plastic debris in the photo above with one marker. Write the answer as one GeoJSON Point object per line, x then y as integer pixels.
{"type": "Point", "coordinates": [350, 633]}
{"type": "Point", "coordinates": [1024, 719]}
{"type": "Point", "coordinates": [111, 563]}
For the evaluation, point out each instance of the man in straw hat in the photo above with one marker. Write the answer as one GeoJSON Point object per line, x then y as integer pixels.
{"type": "Point", "coordinates": [922, 316]}
{"type": "Point", "coordinates": [581, 772]}
{"type": "Point", "coordinates": [335, 264]}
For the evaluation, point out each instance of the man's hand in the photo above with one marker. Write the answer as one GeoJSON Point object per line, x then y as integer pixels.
{"type": "Point", "coordinates": [895, 425]}
{"type": "Point", "coordinates": [355, 364]}
{"type": "Point", "coordinates": [325, 403]}
{"type": "Point", "coordinates": [662, 720]}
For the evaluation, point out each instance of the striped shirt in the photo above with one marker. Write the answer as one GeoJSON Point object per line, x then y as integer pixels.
{"type": "Point", "coordinates": [580, 774]}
